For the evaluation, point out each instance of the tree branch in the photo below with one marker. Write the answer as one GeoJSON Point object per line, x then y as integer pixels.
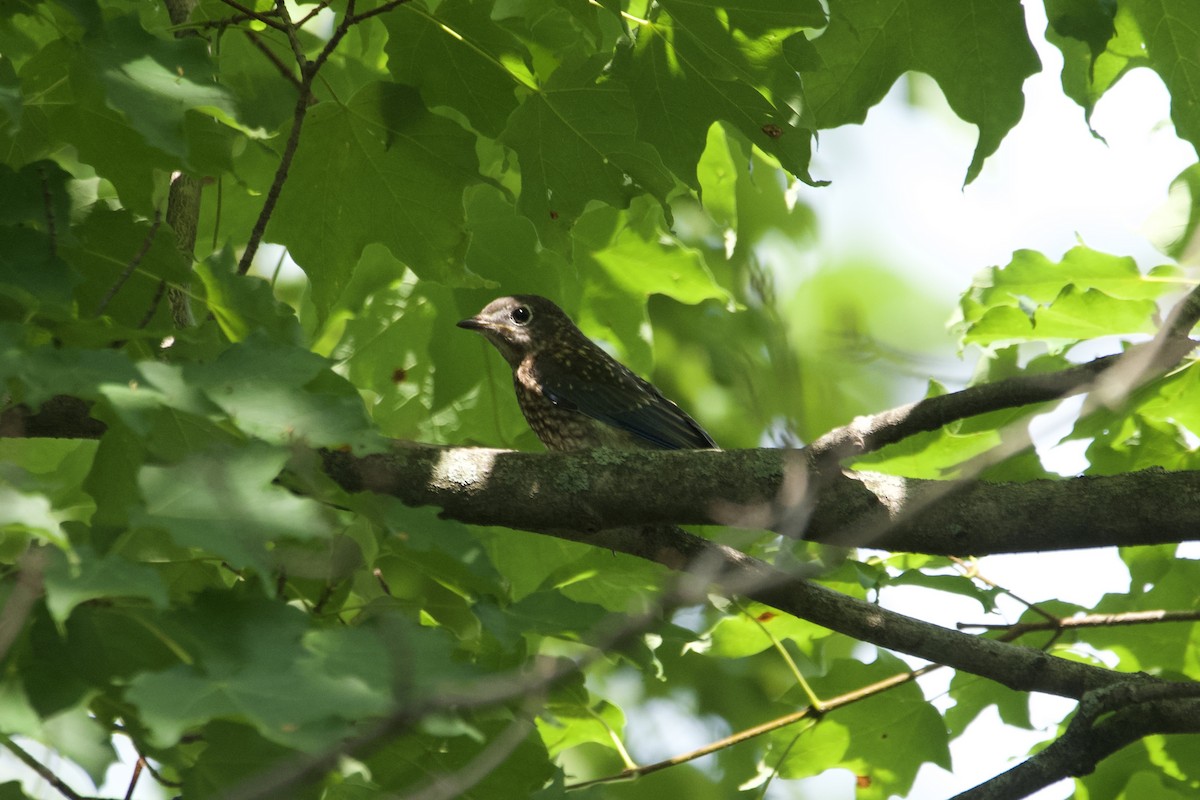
{"type": "Point", "coordinates": [1087, 743]}
{"type": "Point", "coordinates": [590, 491]}
{"type": "Point", "coordinates": [1116, 376]}
{"type": "Point", "coordinates": [44, 772]}
{"type": "Point", "coordinates": [870, 433]}
{"type": "Point", "coordinates": [808, 712]}
{"type": "Point", "coordinates": [735, 572]}
{"type": "Point", "coordinates": [308, 73]}
{"type": "Point", "coordinates": [1087, 621]}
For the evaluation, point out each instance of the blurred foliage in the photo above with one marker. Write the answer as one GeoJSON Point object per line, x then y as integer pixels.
{"type": "Point", "coordinates": [208, 595]}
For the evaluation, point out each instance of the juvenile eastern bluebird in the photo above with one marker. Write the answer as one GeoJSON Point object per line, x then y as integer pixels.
{"type": "Point", "coordinates": [574, 395]}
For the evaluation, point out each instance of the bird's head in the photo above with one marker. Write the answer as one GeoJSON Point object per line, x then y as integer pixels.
{"type": "Point", "coordinates": [520, 324]}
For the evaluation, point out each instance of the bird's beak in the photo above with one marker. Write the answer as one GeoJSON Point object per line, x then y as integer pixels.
{"type": "Point", "coordinates": [473, 324]}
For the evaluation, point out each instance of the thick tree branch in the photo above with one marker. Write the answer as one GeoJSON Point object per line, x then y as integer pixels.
{"type": "Point", "coordinates": [1019, 668]}
{"type": "Point", "coordinates": [591, 491]}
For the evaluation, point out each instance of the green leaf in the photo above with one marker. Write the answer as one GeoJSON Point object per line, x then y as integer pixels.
{"type": "Point", "coordinates": [1087, 21]}
{"type": "Point", "coordinates": [458, 57]}
{"type": "Point", "coordinates": [577, 140]}
{"type": "Point", "coordinates": [572, 717]}
{"type": "Point", "coordinates": [237, 755]}
{"type": "Point", "coordinates": [38, 373]}
{"type": "Point", "coordinates": [41, 478]}
{"type": "Point", "coordinates": [979, 55]}
{"type": "Point", "coordinates": [1078, 29]}
{"type": "Point", "coordinates": [952, 584]}
{"type": "Point", "coordinates": [893, 734]}
{"type": "Point", "coordinates": [154, 81]}
{"type": "Point", "coordinates": [33, 202]}
{"type": "Point", "coordinates": [113, 245]}
{"type": "Point", "coordinates": [72, 732]}
{"type": "Point", "coordinates": [245, 304]}
{"type": "Point", "coordinates": [1171, 30]}
{"type": "Point", "coordinates": [365, 160]}
{"type": "Point", "coordinates": [972, 696]}
{"type": "Point", "coordinates": [504, 246]}
{"type": "Point", "coordinates": [11, 790]}
{"type": "Point", "coordinates": [1167, 647]}
{"type": "Point", "coordinates": [225, 502]}
{"type": "Point", "coordinates": [407, 763]}
{"type": "Point", "coordinates": [255, 660]}
{"type": "Point", "coordinates": [738, 635]}
{"type": "Point", "coordinates": [630, 256]}
{"type": "Point", "coordinates": [265, 99]}
{"type": "Point", "coordinates": [1087, 294]}
{"type": "Point", "coordinates": [31, 513]}
{"type": "Point", "coordinates": [284, 394]}
{"type": "Point", "coordinates": [86, 576]}
{"type": "Point", "coordinates": [698, 64]}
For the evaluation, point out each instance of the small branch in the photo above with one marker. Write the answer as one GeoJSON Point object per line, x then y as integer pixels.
{"type": "Point", "coordinates": [808, 712]}
{"type": "Point", "coordinates": [152, 309]}
{"type": "Point", "coordinates": [183, 215]}
{"type": "Point", "coordinates": [126, 273]}
{"type": "Point", "coordinates": [454, 784]}
{"type": "Point", "coordinates": [1087, 621]}
{"type": "Point", "coordinates": [281, 173]}
{"type": "Point", "coordinates": [290, 29]}
{"type": "Point", "coordinates": [250, 13]}
{"type": "Point", "coordinates": [321, 6]}
{"type": "Point", "coordinates": [1136, 712]}
{"type": "Point", "coordinates": [44, 772]}
{"type": "Point", "coordinates": [383, 9]}
{"type": "Point", "coordinates": [870, 433]}
{"type": "Point", "coordinates": [971, 571]}
{"type": "Point", "coordinates": [535, 680]}
{"type": "Point", "coordinates": [283, 68]}
{"type": "Point", "coordinates": [137, 773]}
{"type": "Point", "coordinates": [1115, 376]}
{"type": "Point", "coordinates": [308, 73]}
{"type": "Point", "coordinates": [158, 776]}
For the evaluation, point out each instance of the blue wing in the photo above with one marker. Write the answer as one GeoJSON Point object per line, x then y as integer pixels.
{"type": "Point", "coordinates": [627, 403]}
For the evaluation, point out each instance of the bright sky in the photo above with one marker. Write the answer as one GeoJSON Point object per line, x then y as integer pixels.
{"type": "Point", "coordinates": [897, 195]}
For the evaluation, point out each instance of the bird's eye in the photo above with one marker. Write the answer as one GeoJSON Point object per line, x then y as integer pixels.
{"type": "Point", "coordinates": [521, 315]}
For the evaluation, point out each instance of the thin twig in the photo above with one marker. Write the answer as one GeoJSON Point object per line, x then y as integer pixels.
{"type": "Point", "coordinates": [1127, 370]}
{"type": "Point", "coordinates": [44, 772]}
{"type": "Point", "coordinates": [321, 6]}
{"type": "Point", "coordinates": [758, 730]}
{"type": "Point", "coordinates": [154, 301]}
{"type": "Point", "coordinates": [283, 68]}
{"type": "Point", "coordinates": [252, 14]}
{"type": "Point", "coordinates": [133, 264]}
{"type": "Point", "coordinates": [290, 29]}
{"type": "Point", "coordinates": [972, 572]}
{"type": "Point", "coordinates": [539, 677]}
{"type": "Point", "coordinates": [383, 9]}
{"type": "Point", "coordinates": [308, 73]}
{"type": "Point", "coordinates": [137, 773]}
{"type": "Point", "coordinates": [1087, 621]}
{"type": "Point", "coordinates": [454, 784]}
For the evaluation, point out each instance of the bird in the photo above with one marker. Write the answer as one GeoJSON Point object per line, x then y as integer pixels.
{"type": "Point", "coordinates": [574, 395]}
